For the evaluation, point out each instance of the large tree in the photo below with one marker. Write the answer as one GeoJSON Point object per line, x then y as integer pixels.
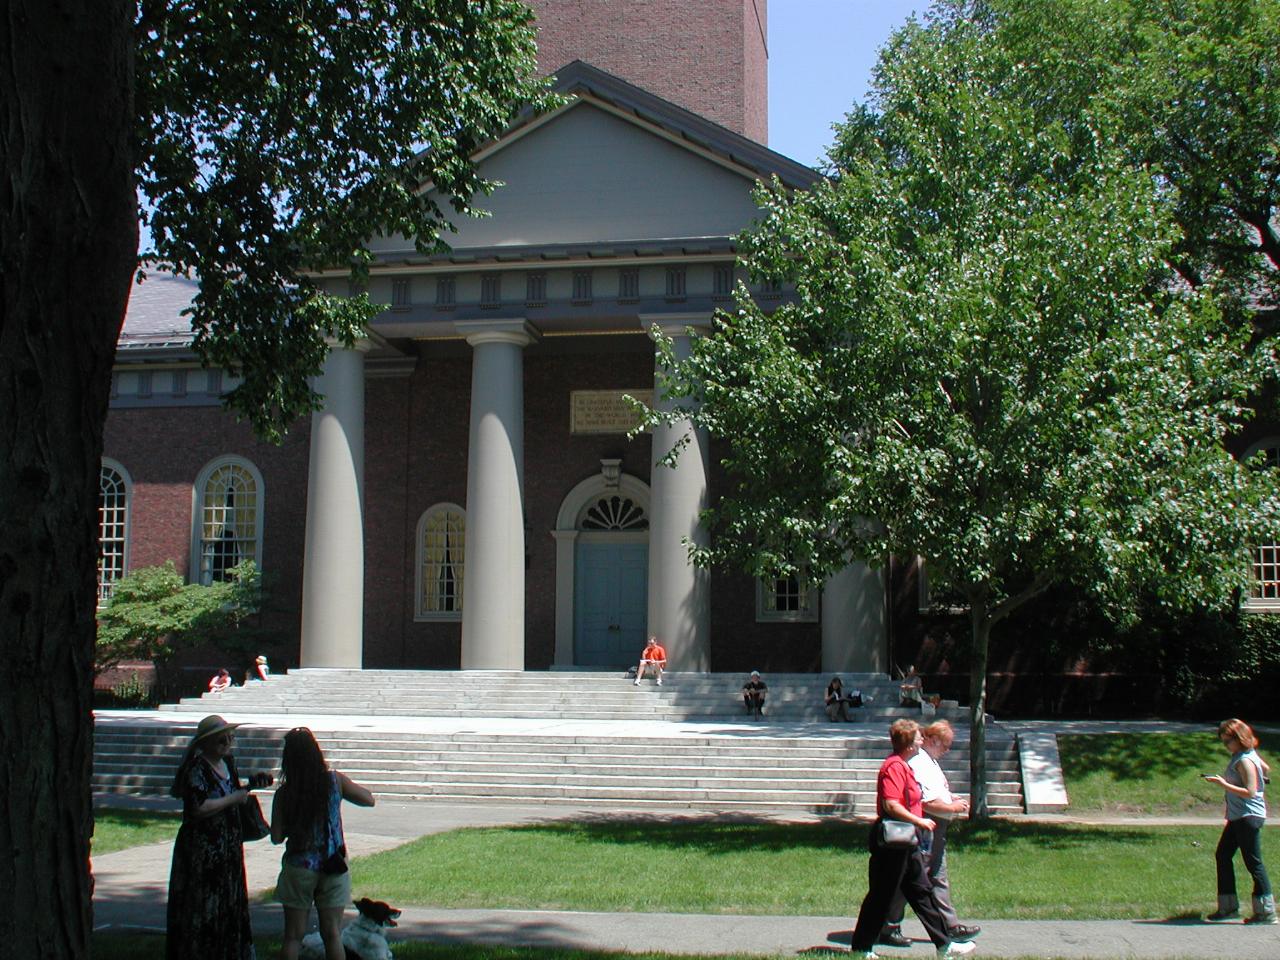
{"type": "Point", "coordinates": [988, 363]}
{"type": "Point", "coordinates": [1191, 88]}
{"type": "Point", "coordinates": [261, 139]}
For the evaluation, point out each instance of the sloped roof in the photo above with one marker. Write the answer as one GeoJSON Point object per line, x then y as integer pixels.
{"type": "Point", "coordinates": [582, 79]}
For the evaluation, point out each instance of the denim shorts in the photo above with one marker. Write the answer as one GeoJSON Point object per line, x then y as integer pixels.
{"type": "Point", "coordinates": [299, 887]}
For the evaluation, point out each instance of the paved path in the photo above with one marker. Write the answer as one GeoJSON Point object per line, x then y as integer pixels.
{"type": "Point", "coordinates": [130, 894]}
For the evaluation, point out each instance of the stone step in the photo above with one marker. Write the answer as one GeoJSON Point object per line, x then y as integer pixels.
{"type": "Point", "coordinates": [794, 760]}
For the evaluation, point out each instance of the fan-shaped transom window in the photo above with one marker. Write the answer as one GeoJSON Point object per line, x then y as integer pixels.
{"type": "Point", "coordinates": [113, 528]}
{"type": "Point", "coordinates": [442, 553]}
{"type": "Point", "coordinates": [614, 513]}
{"type": "Point", "coordinates": [228, 518]}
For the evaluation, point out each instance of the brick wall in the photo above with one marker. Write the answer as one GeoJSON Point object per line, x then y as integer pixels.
{"type": "Point", "coordinates": [164, 449]}
{"type": "Point", "coordinates": [708, 56]}
{"type": "Point", "coordinates": [416, 430]}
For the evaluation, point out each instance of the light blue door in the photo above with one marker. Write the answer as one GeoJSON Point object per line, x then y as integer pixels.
{"type": "Point", "coordinates": [611, 592]}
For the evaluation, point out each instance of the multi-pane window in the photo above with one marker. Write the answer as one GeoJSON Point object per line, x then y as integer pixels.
{"type": "Point", "coordinates": [401, 294]}
{"type": "Point", "coordinates": [446, 291]}
{"type": "Point", "coordinates": [491, 290]}
{"type": "Point", "coordinates": [786, 598]}
{"type": "Point", "coordinates": [442, 551]}
{"type": "Point", "coordinates": [675, 283]}
{"type": "Point", "coordinates": [722, 280]}
{"type": "Point", "coordinates": [629, 283]}
{"type": "Point", "coordinates": [582, 286]}
{"type": "Point", "coordinates": [228, 519]}
{"type": "Point", "coordinates": [535, 288]}
{"type": "Point", "coordinates": [1266, 557]}
{"type": "Point", "coordinates": [113, 528]}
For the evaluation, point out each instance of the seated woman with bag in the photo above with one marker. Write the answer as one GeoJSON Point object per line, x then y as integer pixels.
{"type": "Point", "coordinates": [307, 813]}
{"type": "Point", "coordinates": [896, 858]}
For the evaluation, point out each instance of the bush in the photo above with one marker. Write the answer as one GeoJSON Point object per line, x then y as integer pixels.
{"type": "Point", "coordinates": [153, 613]}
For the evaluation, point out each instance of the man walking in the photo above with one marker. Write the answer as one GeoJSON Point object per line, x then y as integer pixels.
{"type": "Point", "coordinates": [941, 806]}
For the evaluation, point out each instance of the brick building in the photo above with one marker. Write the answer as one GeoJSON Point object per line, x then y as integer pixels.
{"type": "Point", "coordinates": [469, 496]}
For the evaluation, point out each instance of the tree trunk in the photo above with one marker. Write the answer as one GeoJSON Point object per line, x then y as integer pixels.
{"type": "Point", "coordinates": [981, 628]}
{"type": "Point", "coordinates": [68, 243]}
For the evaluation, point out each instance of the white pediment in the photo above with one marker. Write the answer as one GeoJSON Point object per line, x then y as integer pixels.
{"type": "Point", "coordinates": [588, 175]}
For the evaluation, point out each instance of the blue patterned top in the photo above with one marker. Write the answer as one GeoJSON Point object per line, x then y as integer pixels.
{"type": "Point", "coordinates": [309, 851]}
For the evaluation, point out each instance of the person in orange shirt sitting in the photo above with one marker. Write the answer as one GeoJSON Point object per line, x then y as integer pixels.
{"type": "Point", "coordinates": [653, 656]}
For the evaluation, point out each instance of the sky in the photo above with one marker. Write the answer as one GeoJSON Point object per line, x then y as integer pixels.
{"type": "Point", "coordinates": [820, 57]}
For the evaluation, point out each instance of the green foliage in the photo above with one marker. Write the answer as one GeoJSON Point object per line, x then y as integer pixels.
{"type": "Point", "coordinates": [1190, 86]}
{"type": "Point", "coordinates": [132, 691]}
{"type": "Point", "coordinates": [985, 355]}
{"type": "Point", "coordinates": [1213, 663]}
{"type": "Point", "coordinates": [988, 362]}
{"type": "Point", "coordinates": [276, 139]}
{"type": "Point", "coordinates": [153, 612]}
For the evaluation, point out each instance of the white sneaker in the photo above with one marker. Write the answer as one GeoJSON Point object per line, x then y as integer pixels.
{"type": "Point", "coordinates": [864, 955]}
{"type": "Point", "coordinates": [659, 681]}
{"type": "Point", "coordinates": [635, 683]}
{"type": "Point", "coordinates": [956, 949]}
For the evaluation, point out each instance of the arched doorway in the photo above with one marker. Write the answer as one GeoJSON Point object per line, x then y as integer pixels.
{"type": "Point", "coordinates": [602, 572]}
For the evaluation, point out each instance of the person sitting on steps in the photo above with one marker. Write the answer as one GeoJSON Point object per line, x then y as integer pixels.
{"type": "Point", "coordinates": [753, 694]}
{"type": "Point", "coordinates": [654, 657]}
{"type": "Point", "coordinates": [911, 688]}
{"type": "Point", "coordinates": [838, 702]}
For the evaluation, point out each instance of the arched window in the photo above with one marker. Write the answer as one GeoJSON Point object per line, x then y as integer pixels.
{"type": "Point", "coordinates": [227, 518]}
{"type": "Point", "coordinates": [614, 513]}
{"type": "Point", "coordinates": [113, 527]}
{"type": "Point", "coordinates": [1265, 594]}
{"type": "Point", "coordinates": [442, 554]}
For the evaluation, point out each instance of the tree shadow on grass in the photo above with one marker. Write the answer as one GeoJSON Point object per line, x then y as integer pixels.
{"type": "Point", "coordinates": [728, 835]}
{"type": "Point", "coordinates": [1126, 756]}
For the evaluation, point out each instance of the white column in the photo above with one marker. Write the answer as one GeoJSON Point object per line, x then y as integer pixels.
{"type": "Point", "coordinates": [853, 621]}
{"type": "Point", "coordinates": [493, 605]}
{"type": "Point", "coordinates": [679, 593]}
{"type": "Point", "coordinates": [333, 563]}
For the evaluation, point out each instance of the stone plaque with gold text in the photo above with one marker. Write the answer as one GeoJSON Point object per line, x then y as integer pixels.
{"type": "Point", "coordinates": [604, 411]}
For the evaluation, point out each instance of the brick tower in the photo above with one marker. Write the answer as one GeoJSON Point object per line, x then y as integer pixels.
{"type": "Point", "coordinates": [708, 56]}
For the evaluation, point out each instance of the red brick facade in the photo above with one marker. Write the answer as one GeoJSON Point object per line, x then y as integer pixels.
{"type": "Point", "coordinates": [416, 433]}
{"type": "Point", "coordinates": [708, 56]}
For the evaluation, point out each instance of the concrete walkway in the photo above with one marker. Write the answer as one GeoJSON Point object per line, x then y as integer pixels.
{"type": "Point", "coordinates": [131, 886]}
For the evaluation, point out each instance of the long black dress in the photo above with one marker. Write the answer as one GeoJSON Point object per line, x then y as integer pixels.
{"type": "Point", "coordinates": [208, 895]}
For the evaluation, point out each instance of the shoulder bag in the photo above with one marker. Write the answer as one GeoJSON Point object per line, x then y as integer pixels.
{"type": "Point", "coordinates": [899, 835]}
{"type": "Point", "coordinates": [253, 825]}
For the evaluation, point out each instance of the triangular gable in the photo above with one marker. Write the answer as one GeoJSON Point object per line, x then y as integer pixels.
{"type": "Point", "coordinates": [616, 164]}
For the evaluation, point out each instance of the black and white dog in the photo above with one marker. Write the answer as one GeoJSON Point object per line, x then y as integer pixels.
{"type": "Point", "coordinates": [364, 938]}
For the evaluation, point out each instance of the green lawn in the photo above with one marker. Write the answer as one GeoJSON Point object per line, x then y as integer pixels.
{"type": "Point", "coordinates": [1156, 774]}
{"type": "Point", "coordinates": [1062, 871]}
{"type": "Point", "coordinates": [119, 829]}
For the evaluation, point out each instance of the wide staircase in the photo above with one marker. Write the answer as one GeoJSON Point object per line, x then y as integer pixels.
{"type": "Point", "coordinates": [590, 740]}
{"type": "Point", "coordinates": [583, 695]}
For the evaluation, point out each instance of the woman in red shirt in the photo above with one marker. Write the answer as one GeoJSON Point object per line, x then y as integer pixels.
{"type": "Point", "coordinates": [898, 798]}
